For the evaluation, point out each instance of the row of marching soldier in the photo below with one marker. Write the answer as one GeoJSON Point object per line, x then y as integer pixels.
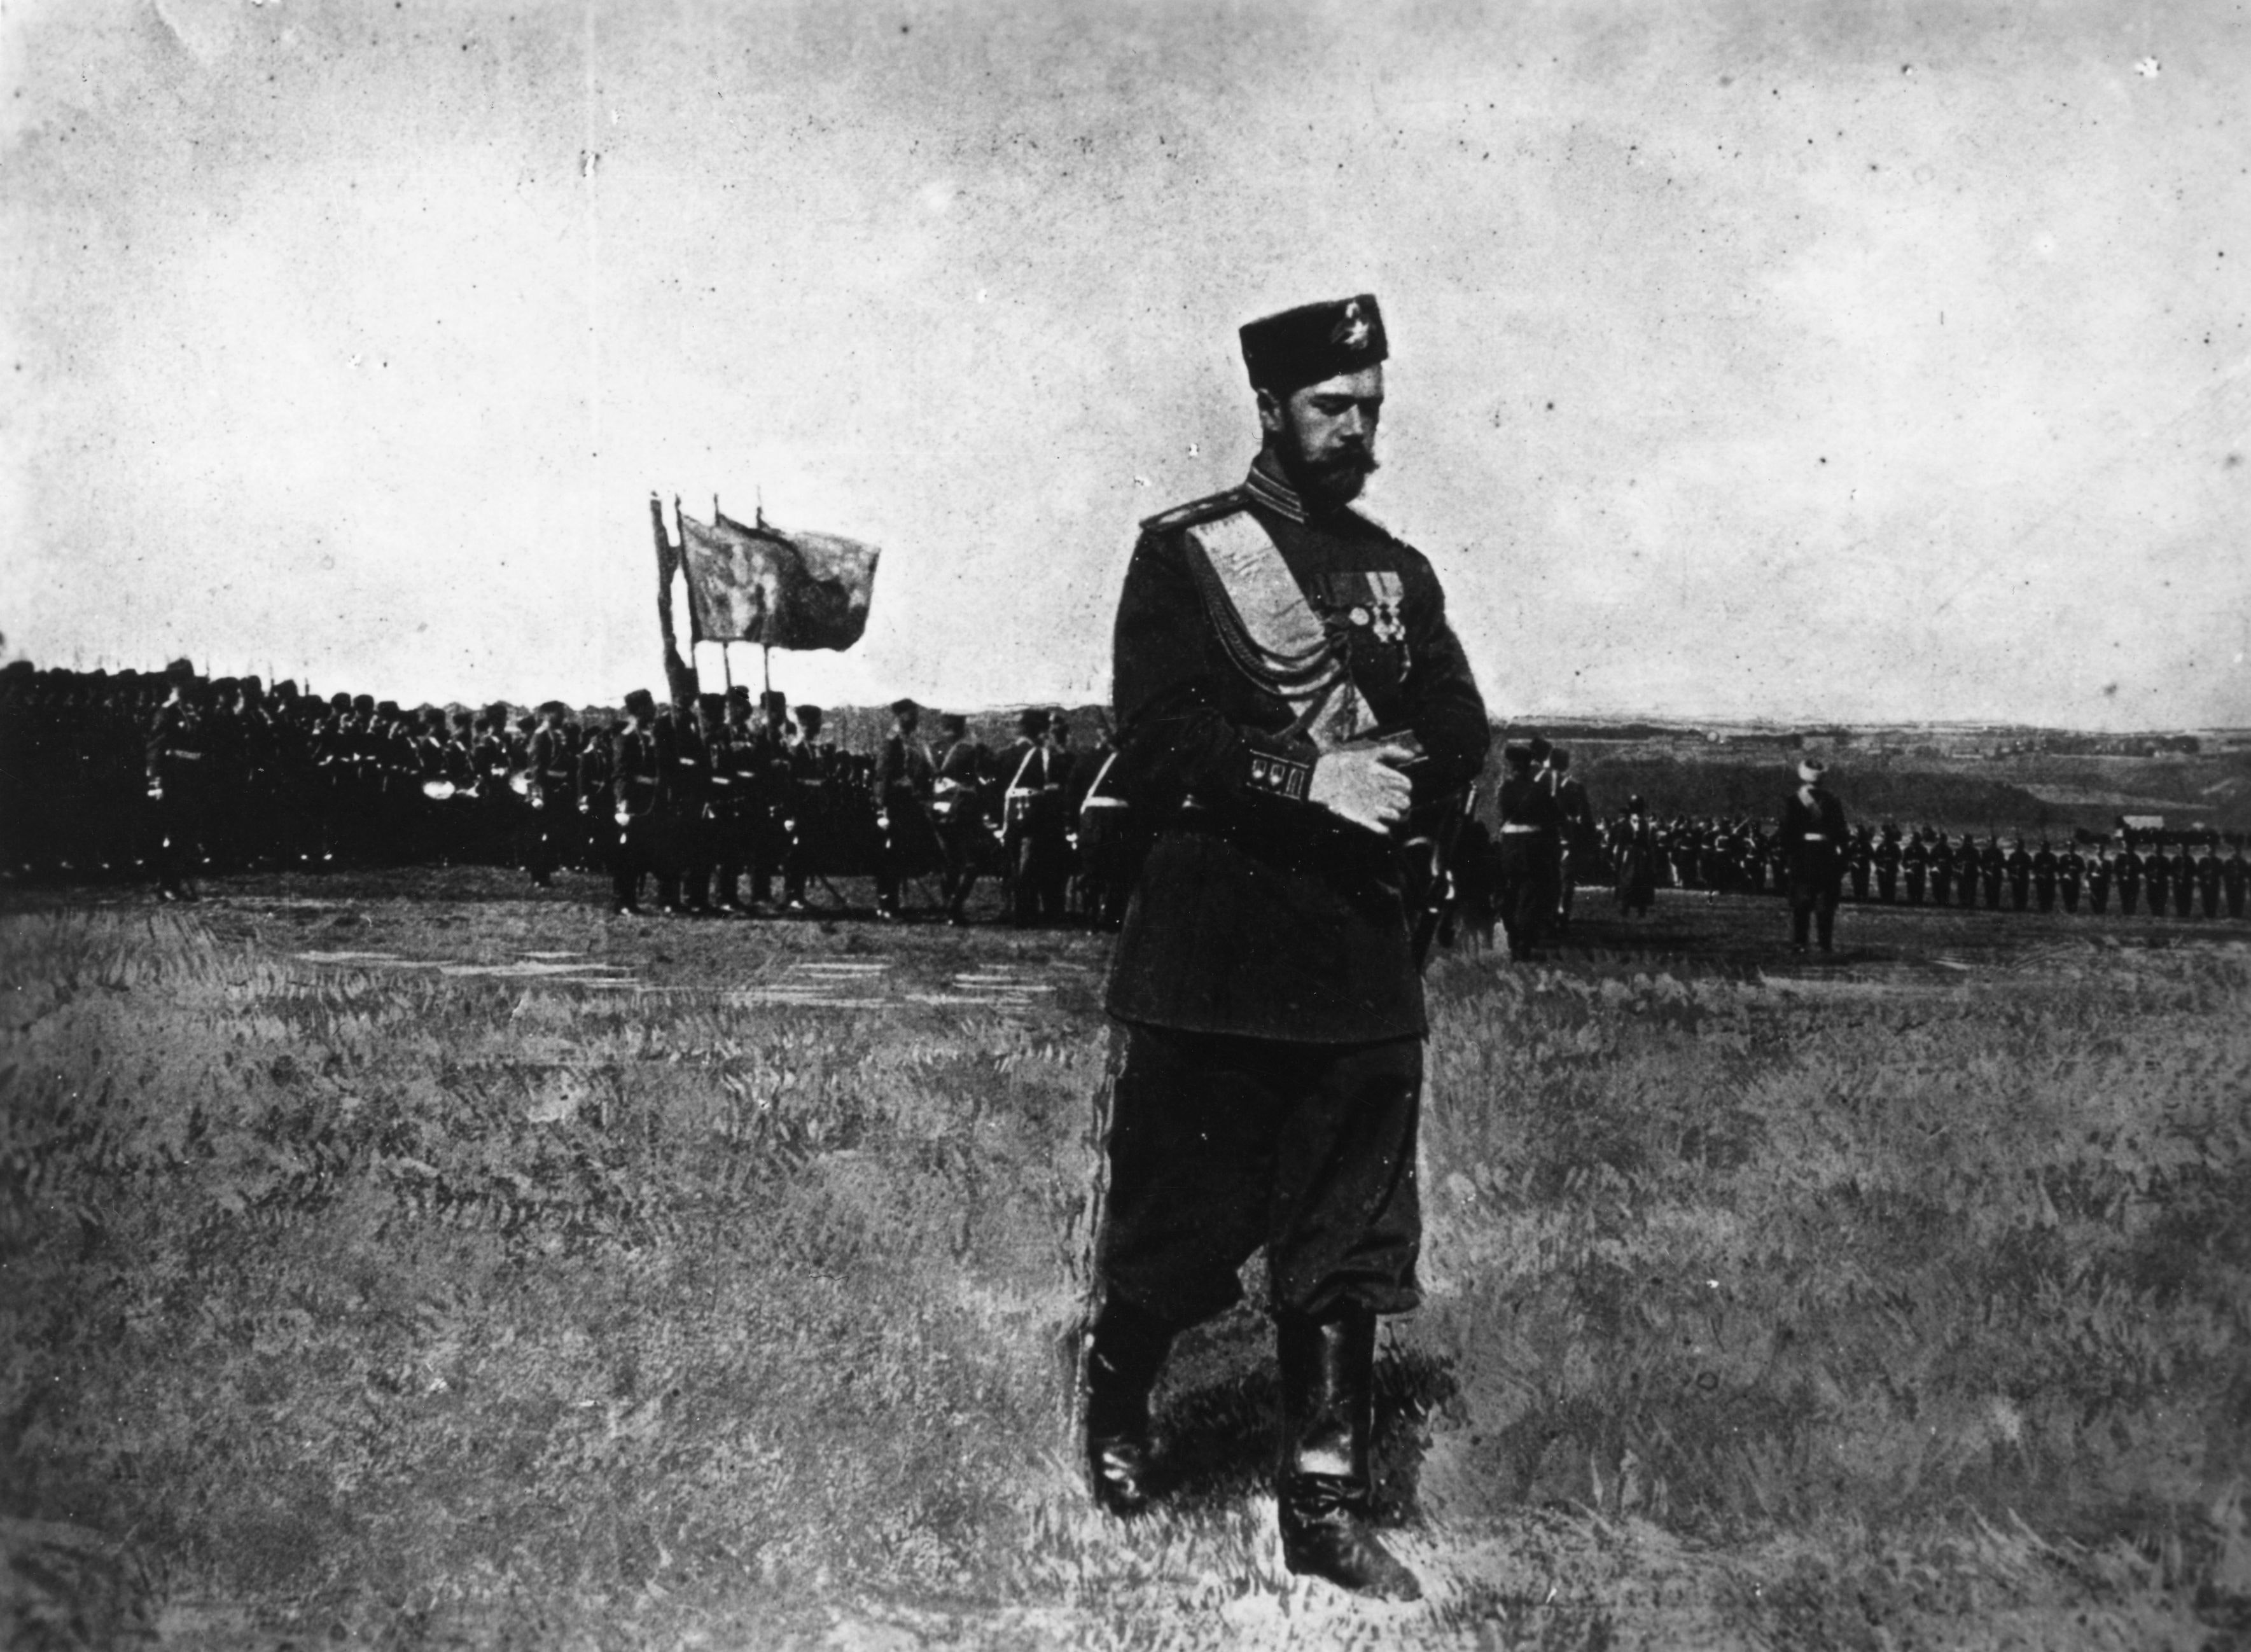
{"type": "Point", "coordinates": [2183, 874]}
{"type": "Point", "coordinates": [729, 805]}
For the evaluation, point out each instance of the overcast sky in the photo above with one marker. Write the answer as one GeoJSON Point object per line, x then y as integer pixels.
{"type": "Point", "coordinates": [1856, 361]}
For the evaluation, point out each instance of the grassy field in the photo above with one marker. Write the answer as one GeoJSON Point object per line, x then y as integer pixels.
{"type": "Point", "coordinates": [474, 1270]}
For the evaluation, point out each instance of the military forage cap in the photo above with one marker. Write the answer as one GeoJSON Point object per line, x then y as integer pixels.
{"type": "Point", "coordinates": [1315, 342]}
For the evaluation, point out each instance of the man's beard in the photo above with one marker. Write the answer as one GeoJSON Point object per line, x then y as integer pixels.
{"type": "Point", "coordinates": [1334, 481]}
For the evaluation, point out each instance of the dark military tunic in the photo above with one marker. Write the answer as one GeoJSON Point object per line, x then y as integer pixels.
{"type": "Point", "coordinates": [2158, 879]}
{"type": "Point", "coordinates": [1257, 912]}
{"type": "Point", "coordinates": [2130, 878]}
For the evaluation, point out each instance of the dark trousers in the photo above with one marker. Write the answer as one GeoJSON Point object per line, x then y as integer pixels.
{"type": "Point", "coordinates": [1039, 863]}
{"type": "Point", "coordinates": [769, 844]}
{"type": "Point", "coordinates": [1813, 905]}
{"type": "Point", "coordinates": [631, 858]}
{"type": "Point", "coordinates": [730, 834]}
{"type": "Point", "coordinates": [910, 849]}
{"type": "Point", "coordinates": [963, 843]}
{"type": "Point", "coordinates": [1219, 1144]}
{"type": "Point", "coordinates": [177, 849]}
{"type": "Point", "coordinates": [1526, 866]}
{"type": "Point", "coordinates": [1565, 882]}
{"type": "Point", "coordinates": [544, 824]}
{"type": "Point", "coordinates": [694, 846]}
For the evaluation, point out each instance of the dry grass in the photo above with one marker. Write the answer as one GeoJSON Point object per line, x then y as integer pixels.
{"type": "Point", "coordinates": [380, 1306]}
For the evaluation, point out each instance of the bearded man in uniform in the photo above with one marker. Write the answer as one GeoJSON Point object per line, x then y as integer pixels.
{"type": "Point", "coordinates": [1287, 690]}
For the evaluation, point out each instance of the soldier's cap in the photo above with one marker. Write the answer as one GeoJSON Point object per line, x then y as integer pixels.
{"type": "Point", "coordinates": [775, 700]}
{"type": "Point", "coordinates": [464, 718]}
{"type": "Point", "coordinates": [1559, 758]}
{"type": "Point", "coordinates": [20, 668]}
{"type": "Point", "coordinates": [712, 705]}
{"type": "Point", "coordinates": [906, 708]}
{"type": "Point", "coordinates": [1633, 804]}
{"type": "Point", "coordinates": [180, 668]}
{"type": "Point", "coordinates": [1032, 720]}
{"type": "Point", "coordinates": [1303, 346]}
{"type": "Point", "coordinates": [951, 722]}
{"type": "Point", "coordinates": [553, 709]}
{"type": "Point", "coordinates": [1540, 749]}
{"type": "Point", "coordinates": [225, 685]}
{"type": "Point", "coordinates": [738, 693]}
{"type": "Point", "coordinates": [364, 704]}
{"type": "Point", "coordinates": [386, 708]}
{"type": "Point", "coordinates": [1516, 756]}
{"type": "Point", "coordinates": [340, 701]}
{"type": "Point", "coordinates": [1812, 770]}
{"type": "Point", "coordinates": [642, 703]}
{"type": "Point", "coordinates": [253, 685]}
{"type": "Point", "coordinates": [808, 717]}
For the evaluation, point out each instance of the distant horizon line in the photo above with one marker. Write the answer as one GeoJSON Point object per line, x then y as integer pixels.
{"type": "Point", "coordinates": [1678, 721]}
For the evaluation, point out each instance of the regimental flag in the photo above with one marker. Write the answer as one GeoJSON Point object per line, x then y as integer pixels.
{"type": "Point", "coordinates": [781, 587]}
{"type": "Point", "coordinates": [679, 676]}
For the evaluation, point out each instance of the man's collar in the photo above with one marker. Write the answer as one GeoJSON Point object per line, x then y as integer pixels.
{"type": "Point", "coordinates": [1268, 487]}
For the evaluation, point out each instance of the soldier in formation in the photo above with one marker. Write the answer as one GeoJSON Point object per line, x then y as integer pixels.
{"type": "Point", "coordinates": [1527, 852]}
{"type": "Point", "coordinates": [1812, 833]}
{"type": "Point", "coordinates": [1633, 851]}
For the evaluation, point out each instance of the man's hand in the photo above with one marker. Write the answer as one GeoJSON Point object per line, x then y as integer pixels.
{"type": "Point", "coordinates": [1363, 785]}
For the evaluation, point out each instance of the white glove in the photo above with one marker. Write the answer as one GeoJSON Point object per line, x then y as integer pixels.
{"type": "Point", "coordinates": [1363, 785]}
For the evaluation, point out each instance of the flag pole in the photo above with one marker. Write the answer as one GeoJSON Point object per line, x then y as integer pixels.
{"type": "Point", "coordinates": [767, 650]}
{"type": "Point", "coordinates": [726, 666]}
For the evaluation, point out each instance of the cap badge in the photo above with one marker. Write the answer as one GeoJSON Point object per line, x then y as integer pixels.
{"type": "Point", "coordinates": [1352, 331]}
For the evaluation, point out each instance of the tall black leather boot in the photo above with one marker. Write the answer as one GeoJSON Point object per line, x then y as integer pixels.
{"type": "Point", "coordinates": [1125, 1351]}
{"type": "Point", "coordinates": [1328, 1409]}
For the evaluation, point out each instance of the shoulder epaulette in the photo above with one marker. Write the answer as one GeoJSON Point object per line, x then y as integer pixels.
{"type": "Point", "coordinates": [1196, 512]}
